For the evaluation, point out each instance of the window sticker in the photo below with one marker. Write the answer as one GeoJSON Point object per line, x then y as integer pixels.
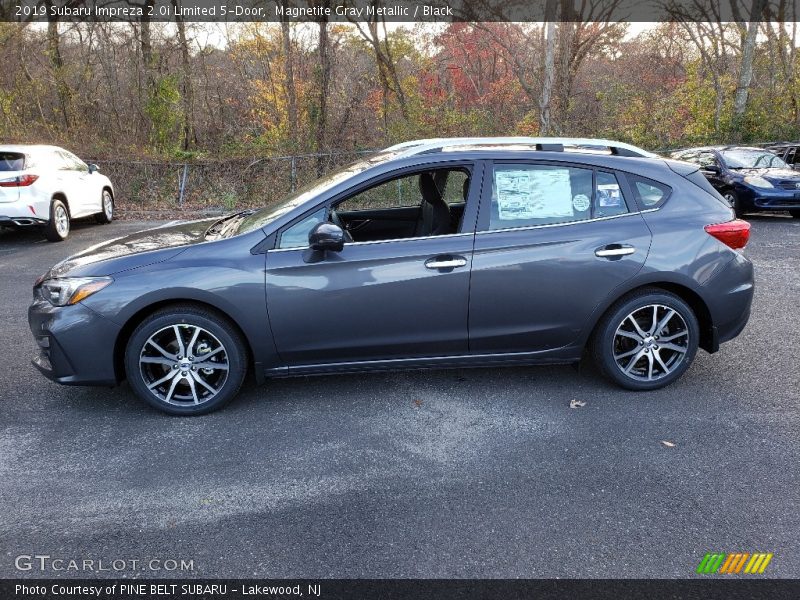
{"type": "Point", "coordinates": [609, 194]}
{"type": "Point", "coordinates": [533, 194]}
{"type": "Point", "coordinates": [580, 203]}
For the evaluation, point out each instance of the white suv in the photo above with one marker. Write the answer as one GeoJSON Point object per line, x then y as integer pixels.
{"type": "Point", "coordinates": [48, 186]}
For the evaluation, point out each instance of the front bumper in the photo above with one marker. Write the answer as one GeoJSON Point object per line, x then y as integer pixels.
{"type": "Point", "coordinates": [76, 344]}
{"type": "Point", "coordinates": [776, 199]}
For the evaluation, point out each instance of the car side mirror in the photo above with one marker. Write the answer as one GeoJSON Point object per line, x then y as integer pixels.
{"type": "Point", "coordinates": [711, 169]}
{"type": "Point", "coordinates": [92, 168]}
{"type": "Point", "coordinates": [326, 236]}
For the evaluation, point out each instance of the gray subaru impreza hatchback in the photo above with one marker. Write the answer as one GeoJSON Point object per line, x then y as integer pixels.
{"type": "Point", "coordinates": [434, 253]}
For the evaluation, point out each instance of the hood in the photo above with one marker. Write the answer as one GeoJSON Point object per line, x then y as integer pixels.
{"type": "Point", "coordinates": [772, 175]}
{"type": "Point", "coordinates": [134, 250]}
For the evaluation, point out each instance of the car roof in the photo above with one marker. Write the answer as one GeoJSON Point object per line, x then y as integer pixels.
{"type": "Point", "coordinates": [28, 148]}
{"type": "Point", "coordinates": [519, 143]}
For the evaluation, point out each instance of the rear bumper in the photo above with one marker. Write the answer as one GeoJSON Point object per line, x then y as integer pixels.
{"type": "Point", "coordinates": [25, 211]}
{"type": "Point", "coordinates": [75, 344]}
{"type": "Point", "coordinates": [729, 297]}
{"type": "Point", "coordinates": [21, 222]}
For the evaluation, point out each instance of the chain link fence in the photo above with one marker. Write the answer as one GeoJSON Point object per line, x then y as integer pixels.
{"type": "Point", "coordinates": [153, 189]}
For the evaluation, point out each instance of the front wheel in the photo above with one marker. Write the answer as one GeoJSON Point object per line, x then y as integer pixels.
{"type": "Point", "coordinates": [647, 340]}
{"type": "Point", "coordinates": [186, 360]}
{"type": "Point", "coordinates": [734, 201]}
{"type": "Point", "coordinates": [106, 214]}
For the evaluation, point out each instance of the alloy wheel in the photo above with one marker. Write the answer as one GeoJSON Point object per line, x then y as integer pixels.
{"type": "Point", "coordinates": [184, 365]}
{"type": "Point", "coordinates": [62, 220]}
{"type": "Point", "coordinates": [651, 342]}
{"type": "Point", "coordinates": [108, 205]}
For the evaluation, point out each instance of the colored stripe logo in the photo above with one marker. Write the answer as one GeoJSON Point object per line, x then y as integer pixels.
{"type": "Point", "coordinates": [734, 563]}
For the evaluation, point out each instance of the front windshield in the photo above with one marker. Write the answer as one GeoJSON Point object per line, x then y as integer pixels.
{"type": "Point", "coordinates": [279, 208]}
{"type": "Point", "coordinates": [752, 159]}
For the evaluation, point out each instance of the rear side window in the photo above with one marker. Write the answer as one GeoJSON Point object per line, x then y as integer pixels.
{"type": "Point", "coordinates": [528, 195]}
{"type": "Point", "coordinates": [700, 181]}
{"type": "Point", "coordinates": [649, 193]}
{"type": "Point", "coordinates": [609, 199]}
{"type": "Point", "coordinates": [12, 161]}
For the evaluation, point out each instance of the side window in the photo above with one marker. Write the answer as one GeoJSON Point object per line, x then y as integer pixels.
{"type": "Point", "coordinates": [73, 162]}
{"type": "Point", "coordinates": [55, 160]}
{"type": "Point", "coordinates": [408, 191]}
{"type": "Point", "coordinates": [707, 159]}
{"type": "Point", "coordinates": [397, 193]}
{"type": "Point", "coordinates": [296, 236]}
{"type": "Point", "coordinates": [609, 199]}
{"type": "Point", "coordinates": [421, 204]}
{"type": "Point", "coordinates": [527, 195]}
{"type": "Point", "coordinates": [793, 156]}
{"type": "Point", "coordinates": [649, 193]}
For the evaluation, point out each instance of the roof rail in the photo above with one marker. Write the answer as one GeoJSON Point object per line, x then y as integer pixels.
{"type": "Point", "coordinates": [552, 144]}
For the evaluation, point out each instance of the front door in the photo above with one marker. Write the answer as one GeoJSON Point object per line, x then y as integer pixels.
{"type": "Point", "coordinates": [378, 299]}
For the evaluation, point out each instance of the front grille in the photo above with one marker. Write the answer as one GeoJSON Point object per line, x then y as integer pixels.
{"type": "Point", "coordinates": [789, 185]}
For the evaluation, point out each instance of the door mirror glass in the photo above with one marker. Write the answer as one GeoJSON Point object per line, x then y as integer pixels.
{"type": "Point", "coordinates": [93, 168]}
{"type": "Point", "coordinates": [326, 236]}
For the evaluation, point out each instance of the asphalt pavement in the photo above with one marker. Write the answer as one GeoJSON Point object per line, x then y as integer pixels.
{"type": "Point", "coordinates": [451, 473]}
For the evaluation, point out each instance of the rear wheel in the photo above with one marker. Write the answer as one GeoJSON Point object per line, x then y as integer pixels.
{"type": "Point", "coordinates": [795, 213]}
{"type": "Point", "coordinates": [106, 215]}
{"type": "Point", "coordinates": [57, 228]}
{"type": "Point", "coordinates": [646, 340]}
{"type": "Point", "coordinates": [733, 200]}
{"type": "Point", "coordinates": [186, 360]}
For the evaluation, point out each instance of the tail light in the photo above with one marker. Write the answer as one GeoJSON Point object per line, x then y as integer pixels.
{"type": "Point", "coordinates": [21, 181]}
{"type": "Point", "coordinates": [734, 234]}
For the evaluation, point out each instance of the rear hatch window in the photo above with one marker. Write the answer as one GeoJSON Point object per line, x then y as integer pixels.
{"type": "Point", "coordinates": [12, 161]}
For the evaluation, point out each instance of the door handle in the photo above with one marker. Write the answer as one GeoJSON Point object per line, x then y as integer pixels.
{"type": "Point", "coordinates": [614, 251]}
{"type": "Point", "coordinates": [446, 262]}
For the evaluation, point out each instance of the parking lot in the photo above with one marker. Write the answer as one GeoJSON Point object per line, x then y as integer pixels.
{"type": "Point", "coordinates": [458, 473]}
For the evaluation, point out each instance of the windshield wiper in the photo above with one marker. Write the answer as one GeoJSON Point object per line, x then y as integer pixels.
{"type": "Point", "coordinates": [222, 227]}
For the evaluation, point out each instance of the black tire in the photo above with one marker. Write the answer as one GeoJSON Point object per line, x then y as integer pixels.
{"type": "Point", "coordinates": [795, 213]}
{"type": "Point", "coordinates": [735, 202]}
{"type": "Point", "coordinates": [612, 347]}
{"type": "Point", "coordinates": [106, 214]}
{"type": "Point", "coordinates": [57, 228]}
{"type": "Point", "coordinates": [181, 397]}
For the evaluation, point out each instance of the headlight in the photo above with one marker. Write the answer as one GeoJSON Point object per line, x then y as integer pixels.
{"type": "Point", "coordinates": [71, 290]}
{"type": "Point", "coordinates": [757, 181]}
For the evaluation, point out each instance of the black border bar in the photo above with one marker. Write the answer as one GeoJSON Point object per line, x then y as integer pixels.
{"type": "Point", "coordinates": [712, 588]}
{"type": "Point", "coordinates": [408, 11]}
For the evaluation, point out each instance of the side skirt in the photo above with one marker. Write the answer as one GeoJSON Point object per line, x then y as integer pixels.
{"type": "Point", "coordinates": [549, 357]}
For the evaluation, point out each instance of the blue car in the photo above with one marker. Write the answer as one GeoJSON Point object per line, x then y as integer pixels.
{"type": "Point", "coordinates": [750, 179]}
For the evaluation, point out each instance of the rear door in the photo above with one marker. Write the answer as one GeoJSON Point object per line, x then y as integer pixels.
{"type": "Point", "coordinates": [553, 242]}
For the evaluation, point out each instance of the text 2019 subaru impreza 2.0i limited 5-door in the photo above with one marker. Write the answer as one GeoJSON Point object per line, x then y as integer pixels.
{"type": "Point", "coordinates": [436, 253]}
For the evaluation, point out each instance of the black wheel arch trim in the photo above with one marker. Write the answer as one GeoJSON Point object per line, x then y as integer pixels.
{"type": "Point", "coordinates": [684, 287]}
{"type": "Point", "coordinates": [261, 354]}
